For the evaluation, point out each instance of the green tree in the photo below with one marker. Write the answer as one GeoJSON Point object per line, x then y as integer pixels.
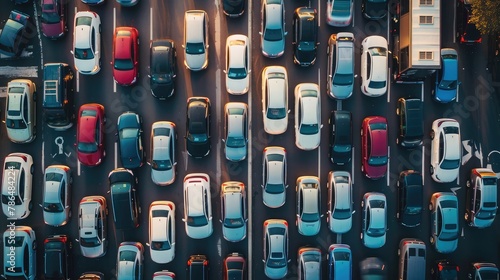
{"type": "Point", "coordinates": [486, 15]}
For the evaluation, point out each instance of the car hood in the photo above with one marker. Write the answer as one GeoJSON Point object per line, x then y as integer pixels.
{"type": "Point", "coordinates": [233, 7]}
{"type": "Point", "coordinates": [274, 200]}
{"type": "Point", "coordinates": [90, 159]}
{"type": "Point", "coordinates": [16, 212]}
{"type": "Point", "coordinates": [340, 226]}
{"type": "Point", "coordinates": [411, 220]}
{"type": "Point", "coordinates": [446, 246]}
{"type": "Point", "coordinates": [375, 10]}
{"type": "Point", "coordinates": [162, 90]}
{"type": "Point", "coordinates": [125, 77]}
{"type": "Point", "coordinates": [52, 30]}
{"type": "Point", "coordinates": [305, 57]}
{"type": "Point", "coordinates": [375, 172]}
{"type": "Point", "coordinates": [341, 92]}
{"type": "Point", "coordinates": [308, 142]}
{"type": "Point", "coordinates": [341, 158]}
{"type": "Point", "coordinates": [373, 242]}
{"type": "Point", "coordinates": [446, 175]}
{"type": "Point", "coordinates": [163, 177]}
{"type": "Point", "coordinates": [482, 223]}
{"type": "Point", "coordinates": [234, 234]}
{"type": "Point", "coordinates": [196, 61]}
{"type": "Point", "coordinates": [444, 96]}
{"type": "Point", "coordinates": [19, 135]}
{"type": "Point", "coordinates": [199, 232]}
{"type": "Point", "coordinates": [93, 252]}
{"type": "Point", "coordinates": [273, 48]}
{"type": "Point", "coordinates": [54, 219]}
{"type": "Point", "coordinates": [163, 256]}
{"type": "Point", "coordinates": [236, 154]}
{"type": "Point", "coordinates": [276, 126]}
{"type": "Point", "coordinates": [309, 229]}
{"type": "Point", "coordinates": [86, 65]}
{"type": "Point", "coordinates": [237, 86]}
{"type": "Point", "coordinates": [198, 149]}
{"type": "Point", "coordinates": [276, 273]}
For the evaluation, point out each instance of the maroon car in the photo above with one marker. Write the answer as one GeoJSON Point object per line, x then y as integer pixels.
{"type": "Point", "coordinates": [234, 267]}
{"type": "Point", "coordinates": [125, 55]}
{"type": "Point", "coordinates": [53, 18]}
{"type": "Point", "coordinates": [374, 155]}
{"type": "Point", "coordinates": [90, 134]}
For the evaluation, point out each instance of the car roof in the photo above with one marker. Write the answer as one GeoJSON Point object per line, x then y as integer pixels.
{"type": "Point", "coordinates": [310, 196]}
{"type": "Point", "coordinates": [309, 110]}
{"type": "Point", "coordinates": [277, 92]}
{"type": "Point", "coordinates": [233, 204]}
{"type": "Point", "coordinates": [195, 199]}
{"type": "Point", "coordinates": [274, 14]}
{"type": "Point", "coordinates": [378, 141]}
{"type": "Point", "coordinates": [237, 51]}
{"type": "Point", "coordinates": [123, 43]}
{"type": "Point", "coordinates": [194, 20]}
{"type": "Point", "coordinates": [86, 127]}
{"type": "Point", "coordinates": [452, 149]}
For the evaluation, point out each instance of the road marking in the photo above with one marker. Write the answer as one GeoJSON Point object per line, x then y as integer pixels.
{"type": "Point", "coordinates": [388, 164]}
{"type": "Point", "coordinates": [151, 23]}
{"type": "Point", "coordinates": [454, 25]}
{"type": "Point", "coordinates": [38, 31]}
{"type": "Point", "coordinates": [219, 247]}
{"type": "Point", "coordinates": [423, 156]}
{"type": "Point", "coordinates": [352, 165]}
{"type": "Point", "coordinates": [319, 161]}
{"type": "Point", "coordinates": [478, 153]}
{"type": "Point", "coordinates": [78, 165]}
{"type": "Point", "coordinates": [455, 189]}
{"type": "Point", "coordinates": [353, 18]}
{"type": "Point", "coordinates": [319, 13]}
{"type": "Point", "coordinates": [388, 29]}
{"type": "Point", "coordinates": [339, 238]}
{"type": "Point", "coordinates": [186, 161]}
{"type": "Point", "coordinates": [116, 153]}
{"type": "Point", "coordinates": [43, 154]}
{"type": "Point", "coordinates": [339, 105]}
{"type": "Point", "coordinates": [468, 149]}
{"type": "Point", "coordinates": [114, 27]}
{"type": "Point", "coordinates": [3, 92]}
{"type": "Point", "coordinates": [77, 81]}
{"type": "Point", "coordinates": [388, 88]}
{"type": "Point", "coordinates": [422, 92]}
{"type": "Point", "coordinates": [250, 157]}
{"type": "Point", "coordinates": [458, 93]}
{"type": "Point", "coordinates": [22, 71]}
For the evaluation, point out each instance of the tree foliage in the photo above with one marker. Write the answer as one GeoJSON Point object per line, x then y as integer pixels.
{"type": "Point", "coordinates": [486, 15]}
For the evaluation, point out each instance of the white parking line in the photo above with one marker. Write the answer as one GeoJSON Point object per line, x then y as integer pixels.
{"type": "Point", "coordinates": [423, 156]}
{"type": "Point", "coordinates": [38, 31]}
{"type": "Point", "coordinates": [388, 164]}
{"type": "Point", "coordinates": [77, 81]}
{"type": "Point", "coordinates": [339, 105]}
{"type": "Point", "coordinates": [388, 88]}
{"type": "Point", "coordinates": [43, 154]}
{"type": "Point", "coordinates": [114, 27]}
{"type": "Point", "coordinates": [78, 167]}
{"type": "Point", "coordinates": [458, 93]}
{"type": "Point", "coordinates": [250, 156]}
{"type": "Point", "coordinates": [388, 29]}
{"type": "Point", "coordinates": [455, 20]}
{"type": "Point", "coordinates": [319, 13]}
{"type": "Point", "coordinates": [151, 23]}
{"type": "Point", "coordinates": [21, 71]}
{"type": "Point", "coordinates": [352, 165]}
{"type": "Point", "coordinates": [116, 153]}
{"type": "Point", "coordinates": [319, 162]}
{"type": "Point", "coordinates": [422, 92]}
{"type": "Point", "coordinates": [339, 238]}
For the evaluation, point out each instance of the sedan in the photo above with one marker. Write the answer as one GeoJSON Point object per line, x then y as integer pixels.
{"type": "Point", "coordinates": [20, 111]}
{"type": "Point", "coordinates": [374, 151]}
{"type": "Point", "coordinates": [446, 150]}
{"type": "Point", "coordinates": [90, 134]}
{"type": "Point", "coordinates": [308, 116]}
{"type": "Point", "coordinates": [56, 257]}
{"type": "Point", "coordinates": [234, 267]}
{"type": "Point", "coordinates": [373, 268]}
{"type": "Point", "coordinates": [17, 184]}
{"type": "Point", "coordinates": [374, 9]}
{"type": "Point", "coordinates": [163, 160]}
{"type": "Point", "coordinates": [130, 139]}
{"type": "Point", "coordinates": [274, 173]}
{"type": "Point", "coordinates": [236, 130]}
{"type": "Point", "coordinates": [374, 224]}
{"type": "Point", "coordinates": [272, 28]}
{"type": "Point", "coordinates": [275, 99]}
{"type": "Point", "coordinates": [410, 198]}
{"type": "Point", "coordinates": [130, 261]}
{"type": "Point", "coordinates": [92, 226]}
{"type": "Point", "coordinates": [340, 78]}
{"type": "Point", "coordinates": [197, 206]}
{"type": "Point", "coordinates": [20, 241]}
{"type": "Point", "coordinates": [447, 83]}
{"type": "Point", "coordinates": [53, 18]}
{"type": "Point", "coordinates": [374, 66]}
{"type": "Point", "coordinates": [198, 127]}
{"type": "Point", "coordinates": [237, 64]}
{"type": "Point", "coordinates": [305, 36]}
{"type": "Point", "coordinates": [163, 67]}
{"type": "Point", "coordinates": [162, 231]}
{"type": "Point", "coordinates": [56, 205]}
{"type": "Point", "coordinates": [125, 55]}
{"type": "Point", "coordinates": [444, 222]}
{"type": "Point", "coordinates": [339, 13]}
{"type": "Point", "coordinates": [87, 43]}
{"type": "Point", "coordinates": [309, 263]}
{"type": "Point", "coordinates": [340, 142]}
{"type": "Point", "coordinates": [233, 211]}
{"type": "Point", "coordinates": [276, 248]}
{"type": "Point", "coordinates": [340, 201]}
{"type": "Point", "coordinates": [308, 205]}
{"type": "Point", "coordinates": [15, 35]}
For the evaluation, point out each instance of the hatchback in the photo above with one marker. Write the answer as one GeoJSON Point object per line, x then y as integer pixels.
{"type": "Point", "coordinates": [481, 199]}
{"type": "Point", "coordinates": [87, 43]}
{"type": "Point", "coordinates": [198, 127]}
{"type": "Point", "coordinates": [234, 267]}
{"type": "Point", "coordinates": [444, 222]}
{"type": "Point", "coordinates": [307, 116]}
{"type": "Point", "coordinates": [20, 111]}
{"type": "Point", "coordinates": [410, 198]}
{"type": "Point", "coordinates": [197, 206]}
{"type": "Point", "coordinates": [272, 28]}
{"type": "Point", "coordinates": [339, 262]}
{"type": "Point", "coordinates": [130, 259]}
{"type": "Point", "coordinates": [90, 134]}
{"type": "Point", "coordinates": [446, 150]}
{"type": "Point", "coordinates": [340, 201]}
{"type": "Point", "coordinates": [163, 68]}
{"type": "Point", "coordinates": [57, 186]}
{"type": "Point", "coordinates": [19, 241]}
{"type": "Point", "coordinates": [16, 34]}
{"type": "Point", "coordinates": [340, 65]}
{"type": "Point", "coordinates": [275, 248]}
{"type": "Point", "coordinates": [125, 55]}
{"type": "Point", "coordinates": [374, 66]}
{"type": "Point", "coordinates": [197, 267]}
{"type": "Point", "coordinates": [195, 40]}
{"type": "Point", "coordinates": [308, 205]}
{"type": "Point", "coordinates": [236, 131]}
{"type": "Point", "coordinates": [237, 64]}
{"type": "Point", "coordinates": [162, 231]}
{"type": "Point", "coordinates": [340, 137]}
{"type": "Point", "coordinates": [444, 270]}
{"type": "Point", "coordinates": [53, 18]}
{"type": "Point", "coordinates": [339, 13]}
{"type": "Point", "coordinates": [374, 223]}
{"type": "Point", "coordinates": [56, 257]}
{"type": "Point", "coordinates": [163, 275]}
{"type": "Point", "coordinates": [447, 83]}
{"type": "Point", "coordinates": [92, 226]}
{"type": "Point", "coordinates": [275, 99]}
{"type": "Point", "coordinates": [17, 184]}
{"type": "Point", "coordinates": [163, 160]}
{"type": "Point", "coordinates": [130, 139]}
{"type": "Point", "coordinates": [305, 36]}
{"type": "Point", "coordinates": [233, 211]}
{"type": "Point", "coordinates": [374, 151]}
{"type": "Point", "coordinates": [274, 173]}
{"type": "Point", "coordinates": [374, 9]}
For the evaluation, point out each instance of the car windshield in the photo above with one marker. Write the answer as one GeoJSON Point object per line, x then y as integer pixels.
{"type": "Point", "coordinates": [309, 217]}
{"type": "Point", "coordinates": [377, 51]}
{"type": "Point", "coordinates": [87, 147]}
{"type": "Point", "coordinates": [162, 165]}
{"type": "Point", "coordinates": [448, 85]}
{"type": "Point", "coordinates": [161, 245]}
{"type": "Point", "coordinates": [195, 48]}
{"type": "Point", "coordinates": [84, 53]}
{"type": "Point", "coordinates": [235, 142]}
{"type": "Point", "coordinates": [306, 46]}
{"type": "Point", "coordinates": [52, 207]}
{"type": "Point", "coordinates": [124, 64]}
{"type": "Point", "coordinates": [15, 124]}
{"type": "Point", "coordinates": [341, 214]}
{"type": "Point", "coordinates": [129, 133]}
{"type": "Point", "coordinates": [342, 148]}
{"type": "Point", "coordinates": [233, 223]}
{"type": "Point", "coordinates": [375, 232]}
{"type": "Point", "coordinates": [309, 129]}
{"type": "Point", "coordinates": [449, 232]}
{"type": "Point", "coordinates": [198, 138]}
{"type": "Point", "coordinates": [450, 164]}
{"type": "Point", "coordinates": [90, 242]}
{"type": "Point", "coordinates": [413, 210]}
{"type": "Point", "coordinates": [127, 256]}
{"type": "Point", "coordinates": [273, 35]}
{"type": "Point", "coordinates": [6, 198]}
{"type": "Point", "coordinates": [343, 79]}
{"type": "Point", "coordinates": [197, 221]}
{"type": "Point", "coordinates": [49, 17]}
{"type": "Point", "coordinates": [275, 188]}
{"type": "Point", "coordinates": [376, 84]}
{"type": "Point", "coordinates": [485, 214]}
{"type": "Point", "coordinates": [276, 113]}
{"type": "Point", "coordinates": [237, 73]}
{"type": "Point", "coordinates": [276, 260]}
{"type": "Point", "coordinates": [377, 160]}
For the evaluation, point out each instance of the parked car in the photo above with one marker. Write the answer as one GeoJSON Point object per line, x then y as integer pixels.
{"type": "Point", "coordinates": [163, 160]}
{"type": "Point", "coordinates": [410, 113]}
{"type": "Point", "coordinates": [275, 248]}
{"type": "Point", "coordinates": [162, 231]}
{"type": "Point", "coordinates": [374, 152]}
{"type": "Point", "coordinates": [374, 66]}
{"type": "Point", "coordinates": [94, 275]}
{"type": "Point", "coordinates": [484, 270]}
{"type": "Point", "coordinates": [307, 116]}
{"type": "Point", "coordinates": [444, 222]}
{"type": "Point", "coordinates": [234, 267]}
{"type": "Point", "coordinates": [412, 258]}
{"type": "Point", "coordinates": [275, 99]}
{"type": "Point", "coordinates": [17, 185]}
{"type": "Point", "coordinates": [87, 42]}
{"type": "Point", "coordinates": [481, 199]}
{"type": "Point", "coordinates": [410, 198]}
{"type": "Point", "coordinates": [197, 206]}
{"type": "Point", "coordinates": [164, 275]}
{"type": "Point", "coordinates": [90, 134]}
{"type": "Point", "coordinates": [92, 226]}
{"type": "Point", "coordinates": [130, 261]}
{"type": "Point", "coordinates": [340, 201]}
{"type": "Point", "coordinates": [129, 129]}
{"type": "Point", "coordinates": [308, 205]}
{"type": "Point", "coordinates": [233, 8]}
{"type": "Point", "coordinates": [340, 136]}
{"type": "Point", "coordinates": [238, 66]}
{"type": "Point", "coordinates": [56, 257]}
{"type": "Point", "coordinates": [447, 83]}
{"type": "Point", "coordinates": [373, 268]}
{"type": "Point", "coordinates": [340, 65]}
{"type": "Point", "coordinates": [198, 127]}
{"type": "Point", "coordinates": [444, 270]}
{"type": "Point", "coordinates": [163, 68]}
{"type": "Point", "coordinates": [339, 13]}
{"type": "Point", "coordinates": [20, 111]}
{"type": "Point", "coordinates": [272, 28]}
{"type": "Point", "coordinates": [92, 2]}
{"type": "Point", "coordinates": [197, 267]}
{"type": "Point", "coordinates": [57, 186]}
{"type": "Point", "coordinates": [58, 96]}
{"type": "Point", "coordinates": [123, 192]}
{"type": "Point", "coordinates": [233, 211]}
{"type": "Point", "coordinates": [19, 241]}
{"type": "Point", "coordinates": [16, 34]}
{"type": "Point", "coordinates": [446, 150]}
{"type": "Point", "coordinates": [305, 36]}
{"type": "Point", "coordinates": [127, 3]}
{"type": "Point", "coordinates": [309, 263]}
{"type": "Point", "coordinates": [274, 174]}
{"type": "Point", "coordinates": [236, 131]}
{"type": "Point", "coordinates": [339, 259]}
{"type": "Point", "coordinates": [125, 55]}
{"type": "Point", "coordinates": [374, 9]}
{"type": "Point", "coordinates": [195, 40]}
{"type": "Point", "coordinates": [374, 223]}
{"type": "Point", "coordinates": [467, 32]}
{"type": "Point", "coordinates": [54, 18]}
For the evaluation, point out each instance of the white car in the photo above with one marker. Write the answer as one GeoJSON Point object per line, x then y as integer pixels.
{"type": "Point", "coordinates": [374, 66]}
{"type": "Point", "coordinates": [19, 253]}
{"type": "Point", "coordinates": [308, 205]}
{"type": "Point", "coordinates": [236, 131]}
{"type": "Point", "coordinates": [233, 211]}
{"type": "Point", "coordinates": [195, 40]}
{"type": "Point", "coordinates": [92, 226]}
{"type": "Point", "coordinates": [374, 224]}
{"type": "Point", "coordinates": [17, 186]}
{"type": "Point", "coordinates": [340, 202]}
{"type": "Point", "coordinates": [20, 112]}
{"type": "Point", "coordinates": [57, 195]}
{"type": "Point", "coordinates": [274, 177]}
{"type": "Point", "coordinates": [237, 64]}
{"type": "Point", "coordinates": [272, 28]}
{"type": "Point", "coordinates": [87, 43]}
{"type": "Point", "coordinates": [197, 206]}
{"type": "Point", "coordinates": [307, 116]}
{"type": "Point", "coordinates": [446, 150]}
{"type": "Point", "coordinates": [162, 231]}
{"type": "Point", "coordinates": [275, 99]}
{"type": "Point", "coordinates": [130, 261]}
{"type": "Point", "coordinates": [163, 160]}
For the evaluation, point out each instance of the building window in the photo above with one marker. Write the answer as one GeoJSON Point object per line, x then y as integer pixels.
{"type": "Point", "coordinates": [426, 2]}
{"type": "Point", "coordinates": [425, 56]}
{"type": "Point", "coordinates": [426, 19]}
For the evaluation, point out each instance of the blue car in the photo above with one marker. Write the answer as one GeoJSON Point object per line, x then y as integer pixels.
{"type": "Point", "coordinates": [447, 78]}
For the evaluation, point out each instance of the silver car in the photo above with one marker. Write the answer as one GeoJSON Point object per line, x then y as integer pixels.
{"type": "Point", "coordinates": [276, 248]}
{"type": "Point", "coordinates": [57, 195]}
{"type": "Point", "coordinates": [308, 205]}
{"type": "Point", "coordinates": [444, 222]}
{"type": "Point", "coordinates": [272, 28]}
{"type": "Point", "coordinates": [274, 171]}
{"type": "Point", "coordinates": [86, 49]}
{"type": "Point", "coordinates": [197, 206]}
{"type": "Point", "coordinates": [233, 211]}
{"type": "Point", "coordinates": [340, 202]}
{"type": "Point", "coordinates": [195, 40]}
{"type": "Point", "coordinates": [309, 263]}
{"type": "Point", "coordinates": [92, 226]}
{"type": "Point", "coordinates": [374, 224]}
{"type": "Point", "coordinates": [236, 129]}
{"type": "Point", "coordinates": [238, 64]}
{"type": "Point", "coordinates": [307, 116]}
{"type": "Point", "coordinates": [20, 111]}
{"type": "Point", "coordinates": [17, 186]}
{"type": "Point", "coordinates": [275, 99]}
{"type": "Point", "coordinates": [19, 253]}
{"type": "Point", "coordinates": [163, 159]}
{"type": "Point", "coordinates": [129, 261]}
{"type": "Point", "coordinates": [340, 79]}
{"type": "Point", "coordinates": [339, 13]}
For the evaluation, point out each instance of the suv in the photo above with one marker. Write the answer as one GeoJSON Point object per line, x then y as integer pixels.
{"type": "Point", "coordinates": [92, 226]}
{"type": "Point", "coordinates": [198, 267]}
{"type": "Point", "coordinates": [410, 198]}
{"type": "Point", "coordinates": [56, 258]}
{"type": "Point", "coordinates": [466, 30]}
{"type": "Point", "coordinates": [16, 33]}
{"type": "Point", "coordinates": [233, 211]}
{"type": "Point", "coordinates": [305, 36]}
{"type": "Point", "coordinates": [17, 183]}
{"type": "Point", "coordinates": [122, 183]}
{"type": "Point", "coordinates": [198, 127]}
{"type": "Point", "coordinates": [481, 200]}
{"type": "Point", "coordinates": [197, 206]}
{"type": "Point", "coordinates": [411, 254]}
{"type": "Point", "coordinates": [20, 111]}
{"type": "Point", "coordinates": [195, 40]}
{"type": "Point", "coordinates": [236, 130]}
{"type": "Point", "coordinates": [340, 201]}
{"type": "Point", "coordinates": [411, 122]}
{"type": "Point", "coordinates": [340, 77]}
{"type": "Point", "coordinates": [444, 222]}
{"type": "Point", "coordinates": [19, 241]}
{"type": "Point", "coordinates": [58, 96]}
{"type": "Point", "coordinates": [340, 147]}
{"type": "Point", "coordinates": [446, 150]}
{"type": "Point", "coordinates": [57, 185]}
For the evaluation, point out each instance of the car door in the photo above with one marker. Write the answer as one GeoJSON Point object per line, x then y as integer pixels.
{"type": "Point", "coordinates": [299, 202]}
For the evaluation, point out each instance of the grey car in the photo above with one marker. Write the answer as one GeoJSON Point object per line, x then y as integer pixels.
{"type": "Point", "coordinates": [276, 248]}
{"type": "Point", "coordinates": [272, 28]}
{"type": "Point", "coordinates": [374, 224]}
{"type": "Point", "coordinates": [57, 195]}
{"type": "Point", "coordinates": [308, 205]}
{"type": "Point", "coordinates": [233, 211]}
{"type": "Point", "coordinates": [444, 222]}
{"type": "Point", "coordinates": [340, 202]}
{"type": "Point", "coordinates": [163, 160]}
{"type": "Point", "coordinates": [236, 128]}
{"type": "Point", "coordinates": [340, 79]}
{"type": "Point", "coordinates": [274, 177]}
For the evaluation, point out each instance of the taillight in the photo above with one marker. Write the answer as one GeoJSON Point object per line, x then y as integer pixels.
{"type": "Point", "coordinates": [285, 223]}
{"type": "Point", "coordinates": [458, 268]}
{"type": "Point", "coordinates": [205, 262]}
{"type": "Point", "coordinates": [189, 262]}
{"type": "Point", "coordinates": [479, 40]}
{"type": "Point", "coordinates": [462, 40]}
{"type": "Point", "coordinates": [440, 267]}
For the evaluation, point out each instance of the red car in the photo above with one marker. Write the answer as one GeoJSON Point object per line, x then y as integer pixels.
{"type": "Point", "coordinates": [90, 134]}
{"type": "Point", "coordinates": [374, 155]}
{"type": "Point", "coordinates": [234, 267]}
{"type": "Point", "coordinates": [125, 55]}
{"type": "Point", "coordinates": [53, 18]}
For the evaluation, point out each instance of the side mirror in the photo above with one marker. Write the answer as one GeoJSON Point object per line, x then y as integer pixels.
{"type": "Point", "coordinates": [264, 261]}
{"type": "Point", "coordinates": [40, 205]}
{"type": "Point", "coordinates": [104, 239]}
{"type": "Point", "coordinates": [250, 71]}
{"type": "Point", "coordinates": [147, 244]}
{"type": "Point", "coordinates": [175, 163]}
{"type": "Point", "coordinates": [288, 111]}
{"type": "Point", "coordinates": [355, 75]}
{"type": "Point", "coordinates": [184, 220]}
{"type": "Point", "coordinates": [353, 211]}
{"type": "Point", "coordinates": [111, 62]}
{"type": "Point", "coordinates": [225, 72]}
{"type": "Point", "coordinates": [97, 52]}
{"type": "Point", "coordinates": [71, 52]}
{"type": "Point", "coordinates": [286, 33]}
{"type": "Point", "coordinates": [260, 32]}
{"type": "Point", "coordinates": [148, 163]}
{"type": "Point", "coordinates": [223, 140]}
{"type": "Point", "coordinates": [77, 240]}
{"type": "Point", "coordinates": [286, 187]}
{"type": "Point", "coordinates": [321, 126]}
{"type": "Point", "coordinates": [149, 76]}
{"type": "Point", "coordinates": [220, 221]}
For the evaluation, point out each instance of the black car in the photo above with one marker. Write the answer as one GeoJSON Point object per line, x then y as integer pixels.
{"type": "Point", "coordinates": [16, 34]}
{"type": "Point", "coordinates": [233, 8]}
{"type": "Point", "coordinates": [130, 140]}
{"type": "Point", "coordinates": [373, 268]}
{"type": "Point", "coordinates": [340, 147]}
{"type": "Point", "coordinates": [374, 9]}
{"type": "Point", "coordinates": [163, 66]}
{"type": "Point", "coordinates": [122, 187]}
{"type": "Point", "coordinates": [58, 96]}
{"type": "Point", "coordinates": [444, 270]}
{"type": "Point", "coordinates": [198, 127]}
{"type": "Point", "coordinates": [467, 32]}
{"type": "Point", "coordinates": [410, 198]}
{"type": "Point", "coordinates": [197, 267]}
{"type": "Point", "coordinates": [56, 257]}
{"type": "Point", "coordinates": [411, 122]}
{"type": "Point", "coordinates": [305, 36]}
